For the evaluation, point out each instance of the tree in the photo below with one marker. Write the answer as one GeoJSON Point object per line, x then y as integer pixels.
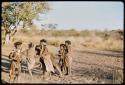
{"type": "Point", "coordinates": [15, 12]}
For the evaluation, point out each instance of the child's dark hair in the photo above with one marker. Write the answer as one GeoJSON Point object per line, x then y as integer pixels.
{"type": "Point", "coordinates": [17, 43]}
{"type": "Point", "coordinates": [67, 41]}
{"type": "Point", "coordinates": [43, 40]}
{"type": "Point", "coordinates": [30, 45]}
{"type": "Point", "coordinates": [62, 45]}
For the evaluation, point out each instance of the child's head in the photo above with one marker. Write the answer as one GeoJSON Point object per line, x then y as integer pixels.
{"type": "Point", "coordinates": [62, 46]}
{"type": "Point", "coordinates": [17, 44]}
{"type": "Point", "coordinates": [30, 45]}
{"type": "Point", "coordinates": [43, 42]}
{"type": "Point", "coordinates": [67, 42]}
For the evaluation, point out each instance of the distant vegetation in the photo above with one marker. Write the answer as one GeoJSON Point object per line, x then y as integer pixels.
{"type": "Point", "coordinates": [116, 34]}
{"type": "Point", "coordinates": [104, 40]}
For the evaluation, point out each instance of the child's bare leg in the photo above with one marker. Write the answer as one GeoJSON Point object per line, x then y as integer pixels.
{"type": "Point", "coordinates": [57, 67]}
{"type": "Point", "coordinates": [69, 70]}
{"type": "Point", "coordinates": [11, 75]}
{"type": "Point", "coordinates": [64, 69]}
{"type": "Point", "coordinates": [47, 75]}
{"type": "Point", "coordinates": [44, 74]}
{"type": "Point", "coordinates": [30, 71]}
{"type": "Point", "coordinates": [11, 80]}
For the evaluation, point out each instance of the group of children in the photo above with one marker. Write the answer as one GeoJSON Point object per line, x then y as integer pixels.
{"type": "Point", "coordinates": [65, 57]}
{"type": "Point", "coordinates": [46, 59]}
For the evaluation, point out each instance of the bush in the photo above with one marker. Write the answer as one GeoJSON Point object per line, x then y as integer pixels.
{"type": "Point", "coordinates": [54, 43]}
{"type": "Point", "coordinates": [24, 30]}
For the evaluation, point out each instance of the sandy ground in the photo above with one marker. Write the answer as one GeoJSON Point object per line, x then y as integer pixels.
{"type": "Point", "coordinates": [89, 66]}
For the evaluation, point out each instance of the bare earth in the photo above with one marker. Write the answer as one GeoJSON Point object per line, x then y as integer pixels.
{"type": "Point", "coordinates": [89, 66]}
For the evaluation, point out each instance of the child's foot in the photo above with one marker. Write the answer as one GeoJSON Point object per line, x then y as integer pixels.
{"type": "Point", "coordinates": [47, 78]}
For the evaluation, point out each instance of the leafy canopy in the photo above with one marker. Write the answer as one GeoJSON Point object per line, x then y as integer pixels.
{"type": "Point", "coordinates": [14, 12]}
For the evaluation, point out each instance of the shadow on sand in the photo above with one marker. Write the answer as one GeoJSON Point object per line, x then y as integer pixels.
{"type": "Point", "coordinates": [5, 64]}
{"type": "Point", "coordinates": [4, 82]}
{"type": "Point", "coordinates": [104, 54]}
{"type": "Point", "coordinates": [106, 66]}
{"type": "Point", "coordinates": [96, 72]}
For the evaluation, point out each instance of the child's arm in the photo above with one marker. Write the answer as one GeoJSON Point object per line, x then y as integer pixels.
{"type": "Point", "coordinates": [11, 55]}
{"type": "Point", "coordinates": [59, 53]}
{"type": "Point", "coordinates": [68, 50]}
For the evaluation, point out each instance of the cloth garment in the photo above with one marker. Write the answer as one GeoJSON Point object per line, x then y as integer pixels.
{"type": "Point", "coordinates": [48, 63]}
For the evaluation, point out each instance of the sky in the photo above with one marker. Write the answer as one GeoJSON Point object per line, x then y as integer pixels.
{"type": "Point", "coordinates": [84, 15]}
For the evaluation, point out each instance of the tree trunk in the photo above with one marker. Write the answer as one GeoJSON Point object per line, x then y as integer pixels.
{"type": "Point", "coordinates": [7, 38]}
{"type": "Point", "coordinates": [24, 24]}
{"type": "Point", "coordinates": [15, 28]}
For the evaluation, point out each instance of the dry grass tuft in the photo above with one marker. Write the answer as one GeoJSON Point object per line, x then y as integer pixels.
{"type": "Point", "coordinates": [112, 40]}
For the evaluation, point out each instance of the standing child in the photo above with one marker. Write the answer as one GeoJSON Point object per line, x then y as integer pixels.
{"type": "Point", "coordinates": [61, 55]}
{"type": "Point", "coordinates": [15, 57]}
{"type": "Point", "coordinates": [68, 57]}
{"type": "Point", "coordinates": [45, 55]}
{"type": "Point", "coordinates": [30, 56]}
{"type": "Point", "coordinates": [38, 49]}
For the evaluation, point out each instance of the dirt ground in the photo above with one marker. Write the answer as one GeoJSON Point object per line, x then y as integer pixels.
{"type": "Point", "coordinates": [89, 66]}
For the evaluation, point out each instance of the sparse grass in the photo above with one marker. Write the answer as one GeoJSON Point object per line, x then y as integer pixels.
{"type": "Point", "coordinates": [91, 39]}
{"type": "Point", "coordinates": [117, 76]}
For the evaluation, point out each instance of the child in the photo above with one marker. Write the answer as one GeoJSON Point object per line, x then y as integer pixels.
{"type": "Point", "coordinates": [30, 57]}
{"type": "Point", "coordinates": [38, 49]}
{"type": "Point", "coordinates": [44, 54]}
{"type": "Point", "coordinates": [15, 57]}
{"type": "Point", "coordinates": [61, 55]}
{"type": "Point", "coordinates": [68, 57]}
{"type": "Point", "coordinates": [68, 46]}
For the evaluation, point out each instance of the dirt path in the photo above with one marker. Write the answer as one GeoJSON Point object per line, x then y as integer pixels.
{"type": "Point", "coordinates": [89, 66]}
